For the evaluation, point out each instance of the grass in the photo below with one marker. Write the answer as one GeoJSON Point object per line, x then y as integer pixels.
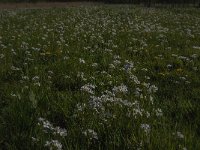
{"type": "Point", "coordinates": [100, 77]}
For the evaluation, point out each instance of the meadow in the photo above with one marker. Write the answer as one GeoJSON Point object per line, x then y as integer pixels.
{"type": "Point", "coordinates": [100, 77]}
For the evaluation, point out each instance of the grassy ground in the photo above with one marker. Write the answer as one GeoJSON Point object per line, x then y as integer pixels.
{"type": "Point", "coordinates": [106, 77]}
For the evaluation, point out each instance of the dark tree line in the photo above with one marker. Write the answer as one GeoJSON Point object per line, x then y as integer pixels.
{"type": "Point", "coordinates": [147, 3]}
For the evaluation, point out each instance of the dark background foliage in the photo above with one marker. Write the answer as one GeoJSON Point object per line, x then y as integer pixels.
{"type": "Point", "coordinates": [145, 2]}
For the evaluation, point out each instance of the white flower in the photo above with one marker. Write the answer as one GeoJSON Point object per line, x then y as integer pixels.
{"type": "Point", "coordinates": [53, 144]}
{"type": "Point", "coordinates": [88, 88]}
{"type": "Point", "coordinates": [37, 84]}
{"type": "Point", "coordinates": [116, 57]}
{"type": "Point", "coordinates": [91, 134]}
{"type": "Point", "coordinates": [194, 56]}
{"type": "Point", "coordinates": [2, 56]}
{"type": "Point", "coordinates": [94, 65]}
{"type": "Point", "coordinates": [81, 74]}
{"type": "Point", "coordinates": [81, 60]}
{"type": "Point", "coordinates": [111, 66]}
{"type": "Point", "coordinates": [95, 102]}
{"type": "Point", "coordinates": [60, 131]}
{"type": "Point", "coordinates": [15, 68]}
{"type": "Point", "coordinates": [25, 77]}
{"type": "Point", "coordinates": [50, 72]}
{"type": "Point", "coordinates": [116, 62]}
{"type": "Point", "coordinates": [48, 126]}
{"type": "Point", "coordinates": [65, 57]}
{"type": "Point", "coordinates": [122, 88]}
{"type": "Point", "coordinates": [180, 135]}
{"type": "Point", "coordinates": [34, 139]}
{"type": "Point", "coordinates": [144, 69]}
{"type": "Point", "coordinates": [36, 78]}
{"type": "Point", "coordinates": [135, 79]}
{"type": "Point", "coordinates": [169, 66]}
{"type": "Point", "coordinates": [145, 127]}
{"type": "Point", "coordinates": [196, 47]}
{"type": "Point", "coordinates": [159, 112]}
{"type": "Point", "coordinates": [67, 77]}
{"type": "Point", "coordinates": [153, 89]}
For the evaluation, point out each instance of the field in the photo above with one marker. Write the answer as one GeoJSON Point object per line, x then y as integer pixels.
{"type": "Point", "coordinates": [100, 77]}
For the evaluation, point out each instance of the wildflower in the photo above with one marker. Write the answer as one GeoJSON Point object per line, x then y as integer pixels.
{"type": "Point", "coordinates": [34, 139]}
{"type": "Point", "coordinates": [182, 78]}
{"type": "Point", "coordinates": [148, 114]}
{"type": "Point", "coordinates": [88, 88]}
{"type": "Point", "coordinates": [15, 68]}
{"type": "Point", "coordinates": [49, 127]}
{"type": "Point", "coordinates": [194, 56]}
{"type": "Point", "coordinates": [126, 103]}
{"type": "Point", "coordinates": [95, 102]}
{"type": "Point", "coordinates": [195, 68]}
{"type": "Point", "coordinates": [116, 62]}
{"type": "Point", "coordinates": [174, 55]}
{"type": "Point", "coordinates": [94, 65]}
{"type": "Point", "coordinates": [53, 144]}
{"type": "Point", "coordinates": [146, 128]}
{"type": "Point", "coordinates": [35, 78]}
{"type": "Point", "coordinates": [147, 77]}
{"type": "Point", "coordinates": [25, 77]}
{"type": "Point", "coordinates": [37, 84]}
{"type": "Point", "coordinates": [13, 95]}
{"type": "Point", "coordinates": [81, 74]}
{"type": "Point", "coordinates": [128, 66]}
{"type": "Point", "coordinates": [2, 56]}
{"type": "Point", "coordinates": [122, 88]}
{"type": "Point", "coordinates": [116, 57]}
{"type": "Point", "coordinates": [60, 131]}
{"type": "Point", "coordinates": [50, 72]}
{"type": "Point", "coordinates": [180, 135]}
{"type": "Point", "coordinates": [135, 79]}
{"type": "Point", "coordinates": [153, 89]}
{"type": "Point", "coordinates": [196, 47]}
{"type": "Point", "coordinates": [151, 99]}
{"type": "Point", "coordinates": [81, 60]}
{"type": "Point", "coordinates": [111, 66]}
{"type": "Point", "coordinates": [158, 112]}
{"type": "Point", "coordinates": [65, 57]}
{"type": "Point", "coordinates": [80, 107]}
{"type": "Point", "coordinates": [169, 66]}
{"type": "Point", "coordinates": [144, 69]}
{"type": "Point", "coordinates": [91, 134]}
{"type": "Point", "coordinates": [187, 82]}
{"type": "Point", "coordinates": [13, 52]}
{"type": "Point", "coordinates": [45, 123]}
{"type": "Point", "coordinates": [48, 53]}
{"type": "Point", "coordinates": [137, 92]}
{"type": "Point", "coordinates": [67, 77]}
{"type": "Point", "coordinates": [163, 74]}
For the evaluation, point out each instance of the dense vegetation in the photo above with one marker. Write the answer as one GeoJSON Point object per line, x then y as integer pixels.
{"type": "Point", "coordinates": [145, 2]}
{"type": "Point", "coordinates": [100, 78]}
